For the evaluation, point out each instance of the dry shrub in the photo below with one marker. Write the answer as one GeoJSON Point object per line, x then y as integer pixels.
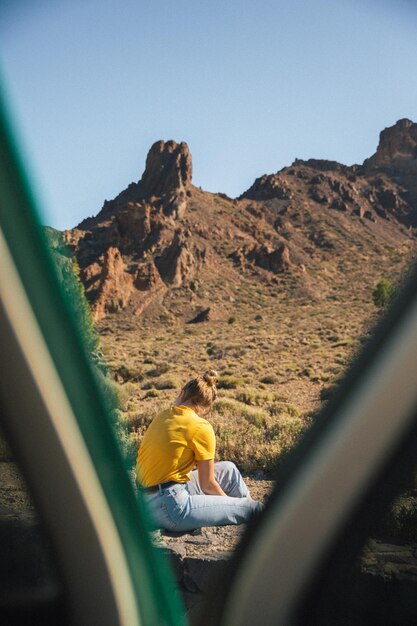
{"type": "Point", "coordinates": [126, 372]}
{"type": "Point", "coordinates": [229, 382]}
{"type": "Point", "coordinates": [253, 415]}
{"type": "Point", "coordinates": [284, 408]}
{"type": "Point", "coordinates": [139, 422]}
{"type": "Point", "coordinates": [254, 437]}
{"type": "Point", "coordinates": [152, 393]}
{"type": "Point", "coordinates": [401, 519]}
{"type": "Point", "coordinates": [251, 436]}
{"type": "Point", "coordinates": [258, 397]}
{"type": "Point", "coordinates": [167, 383]}
{"type": "Point", "coordinates": [268, 380]}
{"type": "Point", "coordinates": [286, 430]}
{"type": "Point", "coordinates": [158, 370]}
{"type": "Point", "coordinates": [111, 389]}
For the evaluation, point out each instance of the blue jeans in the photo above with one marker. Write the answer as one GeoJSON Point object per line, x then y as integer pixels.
{"type": "Point", "coordinates": [183, 507]}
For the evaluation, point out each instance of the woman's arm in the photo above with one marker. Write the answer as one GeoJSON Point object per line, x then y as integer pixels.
{"type": "Point", "coordinates": [206, 478]}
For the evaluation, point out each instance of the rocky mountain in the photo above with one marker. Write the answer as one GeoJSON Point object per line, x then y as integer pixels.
{"type": "Point", "coordinates": [312, 230]}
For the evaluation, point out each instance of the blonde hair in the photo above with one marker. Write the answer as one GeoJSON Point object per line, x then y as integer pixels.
{"type": "Point", "coordinates": [201, 390]}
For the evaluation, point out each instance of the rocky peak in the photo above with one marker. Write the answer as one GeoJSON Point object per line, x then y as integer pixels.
{"type": "Point", "coordinates": [168, 174]}
{"type": "Point", "coordinates": [144, 248]}
{"type": "Point", "coordinates": [324, 165]}
{"type": "Point", "coordinates": [397, 145]}
{"type": "Point", "coordinates": [168, 166]}
{"type": "Point", "coordinates": [396, 157]}
{"type": "Point", "coordinates": [165, 185]}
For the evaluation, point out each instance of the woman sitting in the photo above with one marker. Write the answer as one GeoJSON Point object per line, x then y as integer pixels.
{"type": "Point", "coordinates": [177, 439]}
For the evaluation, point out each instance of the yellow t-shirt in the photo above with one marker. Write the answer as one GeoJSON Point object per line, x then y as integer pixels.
{"type": "Point", "coordinates": [174, 441]}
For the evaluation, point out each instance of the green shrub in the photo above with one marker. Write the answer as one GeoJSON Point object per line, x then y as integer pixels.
{"type": "Point", "coordinates": [287, 431]}
{"type": "Point", "coordinates": [228, 382]}
{"type": "Point", "coordinates": [114, 396]}
{"type": "Point", "coordinates": [268, 380]}
{"type": "Point", "coordinates": [401, 519]}
{"type": "Point", "coordinates": [225, 405]}
{"type": "Point", "coordinates": [228, 406]}
{"type": "Point", "coordinates": [158, 370]}
{"type": "Point", "coordinates": [125, 372]}
{"type": "Point", "coordinates": [139, 422]}
{"type": "Point", "coordinates": [383, 293]}
{"type": "Point", "coordinates": [152, 393]}
{"type": "Point", "coordinates": [68, 273]}
{"type": "Point", "coordinates": [284, 408]}
{"type": "Point", "coordinates": [254, 396]}
{"type": "Point", "coordinates": [231, 320]}
{"type": "Point", "coordinates": [167, 383]}
{"type": "Point", "coordinates": [254, 415]}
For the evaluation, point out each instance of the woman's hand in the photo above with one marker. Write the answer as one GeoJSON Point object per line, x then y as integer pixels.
{"type": "Point", "coordinates": [206, 478]}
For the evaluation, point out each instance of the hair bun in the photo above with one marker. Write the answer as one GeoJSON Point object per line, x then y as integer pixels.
{"type": "Point", "coordinates": [211, 377]}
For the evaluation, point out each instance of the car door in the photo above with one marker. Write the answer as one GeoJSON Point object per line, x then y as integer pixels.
{"type": "Point", "coordinates": [57, 423]}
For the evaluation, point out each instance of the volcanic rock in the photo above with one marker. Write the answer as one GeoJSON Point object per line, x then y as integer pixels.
{"type": "Point", "coordinates": [322, 165]}
{"type": "Point", "coordinates": [135, 221]}
{"type": "Point", "coordinates": [108, 285]}
{"type": "Point", "coordinates": [397, 147]}
{"type": "Point", "coordinates": [149, 286]}
{"type": "Point", "coordinates": [396, 157]}
{"type": "Point", "coordinates": [275, 260]}
{"type": "Point", "coordinates": [148, 277]}
{"type": "Point", "coordinates": [163, 240]}
{"type": "Point", "coordinates": [168, 175]}
{"type": "Point", "coordinates": [266, 187]}
{"type": "Point", "coordinates": [177, 263]}
{"type": "Point", "coordinates": [202, 316]}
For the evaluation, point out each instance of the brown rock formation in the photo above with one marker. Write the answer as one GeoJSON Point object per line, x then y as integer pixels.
{"type": "Point", "coordinates": [396, 157]}
{"type": "Point", "coordinates": [397, 147]}
{"type": "Point", "coordinates": [275, 260]}
{"type": "Point", "coordinates": [149, 286]}
{"type": "Point", "coordinates": [163, 240]}
{"type": "Point", "coordinates": [135, 221]}
{"type": "Point", "coordinates": [116, 249]}
{"type": "Point", "coordinates": [148, 277]}
{"type": "Point", "coordinates": [107, 283]}
{"type": "Point", "coordinates": [178, 262]}
{"type": "Point", "coordinates": [265, 187]}
{"type": "Point", "coordinates": [204, 315]}
{"type": "Point", "coordinates": [168, 175]}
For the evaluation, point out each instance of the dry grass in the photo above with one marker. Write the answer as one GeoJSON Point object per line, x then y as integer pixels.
{"type": "Point", "coordinates": [278, 361]}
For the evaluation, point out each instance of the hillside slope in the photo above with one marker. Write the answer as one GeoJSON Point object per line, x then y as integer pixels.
{"type": "Point", "coordinates": [280, 279]}
{"type": "Point", "coordinates": [313, 229]}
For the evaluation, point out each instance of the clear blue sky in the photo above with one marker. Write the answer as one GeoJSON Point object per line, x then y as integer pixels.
{"type": "Point", "coordinates": [250, 85]}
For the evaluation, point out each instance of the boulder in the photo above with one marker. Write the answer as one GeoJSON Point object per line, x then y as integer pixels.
{"type": "Point", "coordinates": [202, 316]}
{"type": "Point", "coordinates": [274, 259]}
